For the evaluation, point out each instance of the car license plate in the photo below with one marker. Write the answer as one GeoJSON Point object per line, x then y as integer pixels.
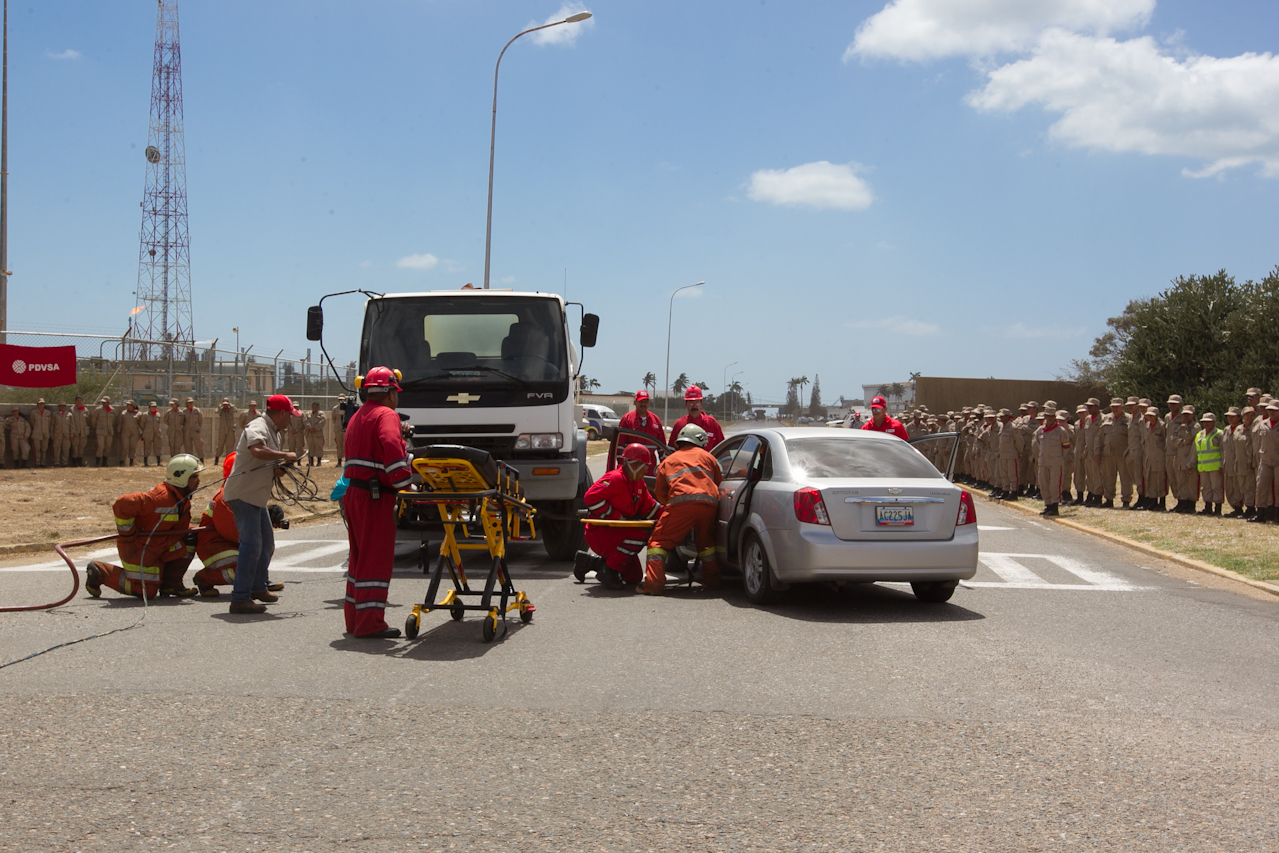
{"type": "Point", "coordinates": [894, 516]}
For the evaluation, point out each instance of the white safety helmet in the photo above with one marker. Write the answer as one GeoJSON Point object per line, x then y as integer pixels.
{"type": "Point", "coordinates": [180, 470]}
{"type": "Point", "coordinates": [693, 434]}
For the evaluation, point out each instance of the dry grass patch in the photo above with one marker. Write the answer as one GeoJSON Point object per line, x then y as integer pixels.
{"type": "Point", "coordinates": [1251, 550]}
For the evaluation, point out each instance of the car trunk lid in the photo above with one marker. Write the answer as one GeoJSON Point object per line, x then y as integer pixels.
{"type": "Point", "coordinates": [877, 510]}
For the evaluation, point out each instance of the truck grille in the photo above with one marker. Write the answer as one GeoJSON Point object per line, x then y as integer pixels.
{"type": "Point", "coordinates": [496, 444]}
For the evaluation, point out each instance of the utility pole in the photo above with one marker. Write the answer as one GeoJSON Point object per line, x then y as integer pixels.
{"type": "Point", "coordinates": [4, 185]}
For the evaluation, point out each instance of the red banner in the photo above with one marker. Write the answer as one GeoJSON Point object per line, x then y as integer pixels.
{"type": "Point", "coordinates": [37, 367]}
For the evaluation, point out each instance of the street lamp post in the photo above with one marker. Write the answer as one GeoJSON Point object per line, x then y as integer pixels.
{"type": "Point", "coordinates": [724, 384]}
{"type": "Point", "coordinates": [666, 397]}
{"type": "Point", "coordinates": [488, 229]}
{"type": "Point", "coordinates": [733, 378]}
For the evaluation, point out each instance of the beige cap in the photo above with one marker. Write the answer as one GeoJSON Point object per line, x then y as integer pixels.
{"type": "Point", "coordinates": [1132, 400]}
{"type": "Point", "coordinates": [1253, 392]}
{"type": "Point", "coordinates": [1233, 410]}
{"type": "Point", "coordinates": [1144, 401]}
{"type": "Point", "coordinates": [1248, 410]}
{"type": "Point", "coordinates": [1208, 416]}
{"type": "Point", "coordinates": [1062, 416]}
{"type": "Point", "coordinates": [253, 403]}
{"type": "Point", "coordinates": [1188, 410]}
{"type": "Point", "coordinates": [1174, 398]}
{"type": "Point", "coordinates": [38, 402]}
{"type": "Point", "coordinates": [62, 405]}
{"type": "Point", "coordinates": [153, 405]}
{"type": "Point", "coordinates": [1005, 413]}
{"type": "Point", "coordinates": [1081, 408]}
{"type": "Point", "coordinates": [1032, 404]}
{"type": "Point", "coordinates": [105, 400]}
{"type": "Point", "coordinates": [1152, 411]}
{"type": "Point", "coordinates": [1272, 406]}
{"type": "Point", "coordinates": [1093, 401]}
{"type": "Point", "coordinates": [1118, 401]}
{"type": "Point", "coordinates": [173, 402]}
{"type": "Point", "coordinates": [190, 399]}
{"type": "Point", "coordinates": [1050, 404]}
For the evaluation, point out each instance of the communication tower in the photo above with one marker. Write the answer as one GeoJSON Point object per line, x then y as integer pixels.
{"type": "Point", "coordinates": [164, 258]}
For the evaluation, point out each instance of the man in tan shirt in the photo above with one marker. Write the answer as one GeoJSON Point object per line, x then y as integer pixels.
{"type": "Point", "coordinates": [193, 430]}
{"type": "Point", "coordinates": [41, 432]}
{"type": "Point", "coordinates": [175, 429]}
{"type": "Point", "coordinates": [18, 431]}
{"type": "Point", "coordinates": [224, 434]}
{"type": "Point", "coordinates": [130, 432]}
{"type": "Point", "coordinates": [313, 424]}
{"type": "Point", "coordinates": [79, 432]}
{"type": "Point", "coordinates": [102, 425]}
{"type": "Point", "coordinates": [60, 448]}
{"type": "Point", "coordinates": [152, 433]}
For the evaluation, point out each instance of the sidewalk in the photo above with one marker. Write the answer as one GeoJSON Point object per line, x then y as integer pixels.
{"type": "Point", "coordinates": [1227, 547]}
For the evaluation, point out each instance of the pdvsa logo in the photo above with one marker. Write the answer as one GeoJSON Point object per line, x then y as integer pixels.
{"type": "Point", "coordinates": [20, 366]}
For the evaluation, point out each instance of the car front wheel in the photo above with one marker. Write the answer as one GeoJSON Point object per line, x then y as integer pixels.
{"type": "Point", "coordinates": [934, 592]}
{"type": "Point", "coordinates": [756, 573]}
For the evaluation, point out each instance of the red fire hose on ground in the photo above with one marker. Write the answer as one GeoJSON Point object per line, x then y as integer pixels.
{"type": "Point", "coordinates": [75, 587]}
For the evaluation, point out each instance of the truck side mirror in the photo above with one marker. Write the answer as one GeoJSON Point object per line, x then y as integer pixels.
{"type": "Point", "coordinates": [314, 323]}
{"type": "Point", "coordinates": [590, 329]}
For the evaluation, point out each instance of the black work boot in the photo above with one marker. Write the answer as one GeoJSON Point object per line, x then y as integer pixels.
{"type": "Point", "coordinates": [1050, 511]}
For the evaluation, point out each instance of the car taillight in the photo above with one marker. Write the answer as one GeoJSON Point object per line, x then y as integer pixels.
{"type": "Point", "coordinates": [810, 507]}
{"type": "Point", "coordinates": [967, 510]}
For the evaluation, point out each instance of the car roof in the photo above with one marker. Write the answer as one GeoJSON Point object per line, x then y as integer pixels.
{"type": "Point", "coordinates": [784, 433]}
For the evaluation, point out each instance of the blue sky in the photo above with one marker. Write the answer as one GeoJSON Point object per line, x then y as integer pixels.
{"type": "Point", "coordinates": [954, 187]}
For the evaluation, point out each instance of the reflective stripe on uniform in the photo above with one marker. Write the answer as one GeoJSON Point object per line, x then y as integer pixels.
{"type": "Point", "coordinates": [366, 605]}
{"type": "Point", "coordinates": [679, 499]}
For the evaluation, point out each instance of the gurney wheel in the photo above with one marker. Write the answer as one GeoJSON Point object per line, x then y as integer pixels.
{"type": "Point", "coordinates": [411, 626]}
{"type": "Point", "coordinates": [457, 612]}
{"type": "Point", "coordinates": [489, 628]}
{"type": "Point", "coordinates": [526, 616]}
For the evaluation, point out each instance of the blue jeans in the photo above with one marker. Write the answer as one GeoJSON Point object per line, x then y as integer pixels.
{"type": "Point", "coordinates": [257, 543]}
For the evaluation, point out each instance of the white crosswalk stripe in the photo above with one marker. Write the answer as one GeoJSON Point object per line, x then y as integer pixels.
{"type": "Point", "coordinates": [291, 555]}
{"type": "Point", "coordinates": [1015, 574]}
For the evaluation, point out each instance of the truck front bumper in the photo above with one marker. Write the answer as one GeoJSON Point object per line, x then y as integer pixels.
{"type": "Point", "coordinates": [547, 479]}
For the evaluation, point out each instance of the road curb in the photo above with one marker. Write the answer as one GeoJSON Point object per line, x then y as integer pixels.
{"type": "Point", "coordinates": [26, 548]}
{"type": "Point", "coordinates": [1171, 556]}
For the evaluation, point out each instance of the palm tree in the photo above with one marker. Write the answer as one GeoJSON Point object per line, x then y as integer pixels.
{"type": "Point", "coordinates": [896, 391]}
{"type": "Point", "coordinates": [800, 384]}
{"type": "Point", "coordinates": [593, 384]}
{"type": "Point", "coordinates": [680, 383]}
{"type": "Point", "coordinates": [650, 381]}
{"type": "Point", "coordinates": [883, 390]}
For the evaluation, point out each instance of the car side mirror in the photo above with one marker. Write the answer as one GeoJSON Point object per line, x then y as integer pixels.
{"type": "Point", "coordinates": [314, 323]}
{"type": "Point", "coordinates": [590, 329]}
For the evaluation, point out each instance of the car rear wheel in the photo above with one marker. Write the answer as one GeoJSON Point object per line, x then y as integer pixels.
{"type": "Point", "coordinates": [934, 592]}
{"type": "Point", "coordinates": [757, 575]}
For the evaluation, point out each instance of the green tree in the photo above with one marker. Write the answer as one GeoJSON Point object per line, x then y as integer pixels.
{"type": "Point", "coordinates": [680, 383]}
{"type": "Point", "coordinates": [815, 408]}
{"type": "Point", "coordinates": [897, 391]}
{"type": "Point", "coordinates": [792, 397]}
{"type": "Point", "coordinates": [649, 380]}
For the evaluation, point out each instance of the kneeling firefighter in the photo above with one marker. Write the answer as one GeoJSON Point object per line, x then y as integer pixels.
{"type": "Point", "coordinates": [218, 544]}
{"type": "Point", "coordinates": [688, 484]}
{"type": "Point", "coordinates": [151, 527]}
{"type": "Point", "coordinates": [618, 495]}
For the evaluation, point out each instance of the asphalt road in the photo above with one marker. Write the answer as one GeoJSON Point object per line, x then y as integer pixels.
{"type": "Point", "coordinates": [1074, 695]}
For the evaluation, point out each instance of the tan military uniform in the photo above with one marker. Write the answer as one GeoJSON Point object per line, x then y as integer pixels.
{"type": "Point", "coordinates": [224, 435]}
{"type": "Point", "coordinates": [1008, 440]}
{"type": "Point", "coordinates": [1112, 441]}
{"type": "Point", "coordinates": [1055, 451]}
{"type": "Point", "coordinates": [339, 434]}
{"type": "Point", "coordinates": [41, 432]}
{"type": "Point", "coordinates": [297, 435]}
{"type": "Point", "coordinates": [1136, 455]}
{"type": "Point", "coordinates": [130, 434]}
{"type": "Point", "coordinates": [102, 425]}
{"type": "Point", "coordinates": [1267, 461]}
{"type": "Point", "coordinates": [152, 427]}
{"type": "Point", "coordinates": [1154, 462]}
{"type": "Point", "coordinates": [79, 433]}
{"type": "Point", "coordinates": [61, 446]}
{"type": "Point", "coordinates": [313, 424]}
{"type": "Point", "coordinates": [175, 430]}
{"type": "Point", "coordinates": [18, 430]}
{"type": "Point", "coordinates": [193, 431]}
{"type": "Point", "coordinates": [1187, 462]}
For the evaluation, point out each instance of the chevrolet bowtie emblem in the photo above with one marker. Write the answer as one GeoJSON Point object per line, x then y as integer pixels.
{"type": "Point", "coordinates": [463, 398]}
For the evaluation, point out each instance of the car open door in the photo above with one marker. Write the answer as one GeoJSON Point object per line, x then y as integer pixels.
{"type": "Point", "coordinates": [623, 437]}
{"type": "Point", "coordinates": [941, 449]}
{"type": "Point", "coordinates": [737, 458]}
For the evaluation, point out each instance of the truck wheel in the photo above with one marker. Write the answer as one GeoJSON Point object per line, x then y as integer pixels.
{"type": "Point", "coordinates": [563, 539]}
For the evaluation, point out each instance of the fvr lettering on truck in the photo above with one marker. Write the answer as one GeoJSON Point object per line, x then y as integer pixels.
{"type": "Point", "coordinates": [493, 370]}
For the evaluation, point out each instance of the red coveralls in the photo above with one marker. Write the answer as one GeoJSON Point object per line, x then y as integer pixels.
{"type": "Point", "coordinates": [218, 549]}
{"type": "Point", "coordinates": [688, 483]}
{"type": "Point", "coordinates": [616, 498]}
{"type": "Point", "coordinates": [375, 453]}
{"type": "Point", "coordinates": [150, 525]}
{"type": "Point", "coordinates": [706, 422]}
{"type": "Point", "coordinates": [650, 424]}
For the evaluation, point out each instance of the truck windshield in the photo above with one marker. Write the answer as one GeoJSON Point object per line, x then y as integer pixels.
{"type": "Point", "coordinates": [496, 339]}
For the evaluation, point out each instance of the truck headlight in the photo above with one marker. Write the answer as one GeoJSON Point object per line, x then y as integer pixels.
{"type": "Point", "coordinates": [539, 441]}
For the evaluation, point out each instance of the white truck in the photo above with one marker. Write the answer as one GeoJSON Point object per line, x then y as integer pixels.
{"type": "Point", "coordinates": [494, 370]}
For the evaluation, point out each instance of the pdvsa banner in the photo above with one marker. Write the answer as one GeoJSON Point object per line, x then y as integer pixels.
{"type": "Point", "coordinates": [37, 367]}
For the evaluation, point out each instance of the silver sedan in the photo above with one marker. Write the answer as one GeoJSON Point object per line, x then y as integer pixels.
{"type": "Point", "coordinates": [801, 505]}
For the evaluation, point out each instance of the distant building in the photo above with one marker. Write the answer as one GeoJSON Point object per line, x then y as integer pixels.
{"type": "Point", "coordinates": [895, 404]}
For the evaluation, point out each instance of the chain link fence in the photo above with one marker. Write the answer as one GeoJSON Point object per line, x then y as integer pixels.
{"type": "Point", "coordinates": [128, 368]}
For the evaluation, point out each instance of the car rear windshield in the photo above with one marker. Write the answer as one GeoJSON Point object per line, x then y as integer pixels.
{"type": "Point", "coordinates": [832, 458]}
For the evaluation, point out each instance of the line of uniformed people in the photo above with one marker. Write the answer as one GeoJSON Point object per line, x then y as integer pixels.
{"type": "Point", "coordinates": [65, 438]}
{"type": "Point", "coordinates": [1132, 455]}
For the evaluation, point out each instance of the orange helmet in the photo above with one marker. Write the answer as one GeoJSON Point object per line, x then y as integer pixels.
{"type": "Point", "coordinates": [228, 464]}
{"type": "Point", "coordinates": [693, 393]}
{"type": "Point", "coordinates": [382, 377]}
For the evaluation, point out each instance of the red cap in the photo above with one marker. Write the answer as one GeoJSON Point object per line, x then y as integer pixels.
{"type": "Point", "coordinates": [281, 403]}
{"type": "Point", "coordinates": [878, 403]}
{"type": "Point", "coordinates": [693, 393]}
{"type": "Point", "coordinates": [641, 395]}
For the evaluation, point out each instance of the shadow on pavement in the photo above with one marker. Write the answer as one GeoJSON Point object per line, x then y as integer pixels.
{"type": "Point", "coordinates": [854, 603]}
{"type": "Point", "coordinates": [447, 641]}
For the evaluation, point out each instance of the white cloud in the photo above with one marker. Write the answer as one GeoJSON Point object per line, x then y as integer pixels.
{"type": "Point", "coordinates": [898, 326]}
{"type": "Point", "coordinates": [366, 263]}
{"type": "Point", "coordinates": [928, 29]}
{"type": "Point", "coordinates": [66, 54]}
{"type": "Point", "coordinates": [1021, 330]}
{"type": "Point", "coordinates": [821, 185]}
{"type": "Point", "coordinates": [506, 279]}
{"type": "Point", "coordinates": [417, 262]}
{"type": "Point", "coordinates": [565, 34]}
{"type": "Point", "coordinates": [1130, 96]}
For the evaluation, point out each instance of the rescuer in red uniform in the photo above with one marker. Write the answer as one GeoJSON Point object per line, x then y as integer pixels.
{"type": "Point", "coordinates": [693, 405]}
{"type": "Point", "coordinates": [881, 422]}
{"type": "Point", "coordinates": [618, 495]}
{"type": "Point", "coordinates": [218, 548]}
{"type": "Point", "coordinates": [376, 468]}
{"type": "Point", "coordinates": [688, 484]}
{"type": "Point", "coordinates": [642, 420]}
{"type": "Point", "coordinates": [150, 544]}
